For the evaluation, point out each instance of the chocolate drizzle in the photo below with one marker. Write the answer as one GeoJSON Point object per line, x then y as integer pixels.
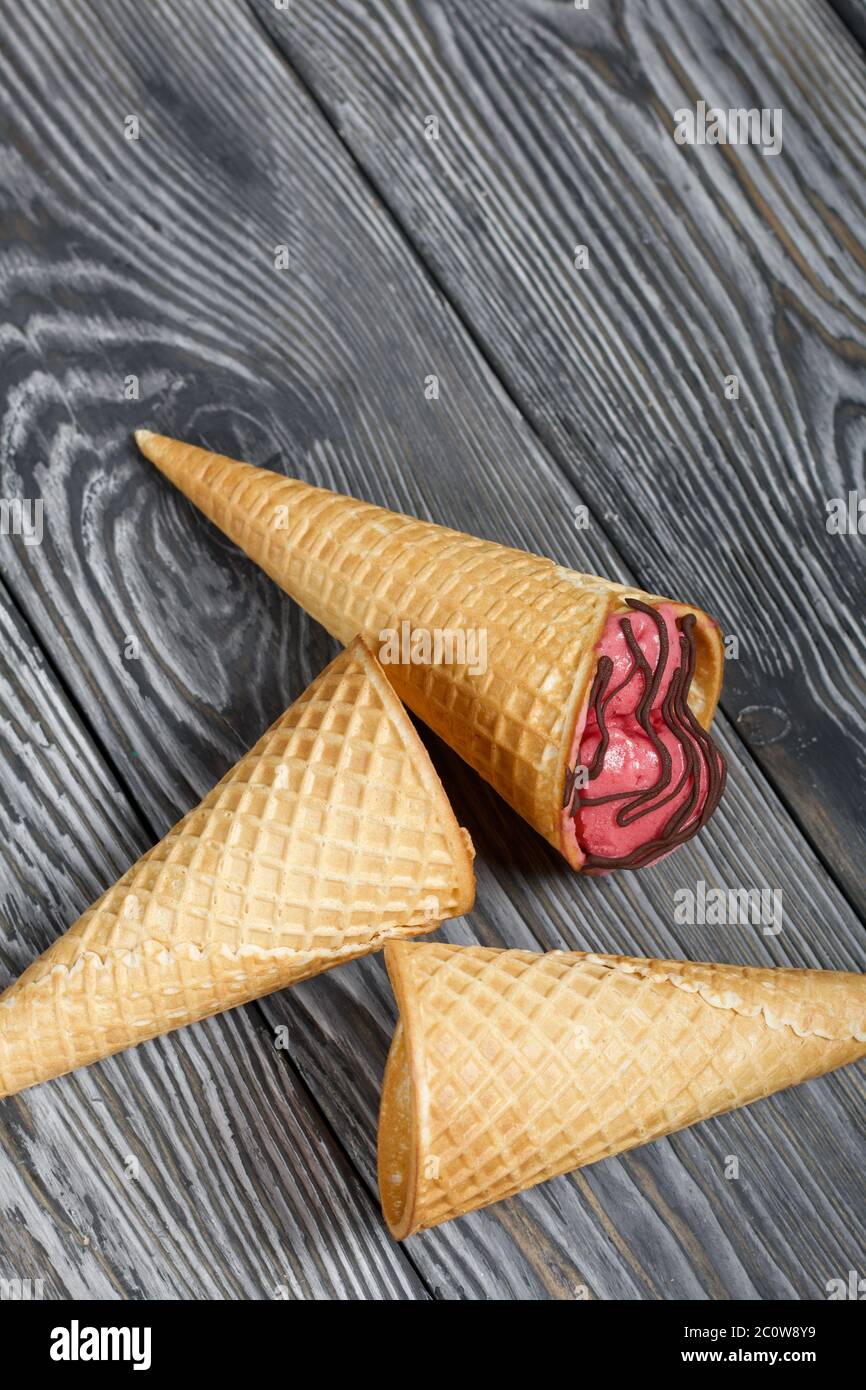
{"type": "Point", "coordinates": [699, 752]}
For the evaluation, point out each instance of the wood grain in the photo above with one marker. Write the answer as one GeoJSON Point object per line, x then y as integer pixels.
{"type": "Point", "coordinates": [556, 129]}
{"type": "Point", "coordinates": [156, 257]}
{"type": "Point", "coordinates": [852, 13]}
{"type": "Point", "coordinates": [197, 1166]}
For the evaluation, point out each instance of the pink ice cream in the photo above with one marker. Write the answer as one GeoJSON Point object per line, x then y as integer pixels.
{"type": "Point", "coordinates": [654, 775]}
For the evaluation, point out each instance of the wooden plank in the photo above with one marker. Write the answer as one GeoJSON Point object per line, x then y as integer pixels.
{"type": "Point", "coordinates": [322, 372]}
{"type": "Point", "coordinates": [197, 1166]}
{"type": "Point", "coordinates": [556, 129]}
{"type": "Point", "coordinates": [852, 13]}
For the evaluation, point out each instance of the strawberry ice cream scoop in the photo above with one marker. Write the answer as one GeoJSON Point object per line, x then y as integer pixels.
{"type": "Point", "coordinates": [651, 775]}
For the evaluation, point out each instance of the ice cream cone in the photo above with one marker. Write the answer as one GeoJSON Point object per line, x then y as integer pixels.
{"type": "Point", "coordinates": [332, 835]}
{"type": "Point", "coordinates": [508, 1067]}
{"type": "Point", "coordinates": [358, 568]}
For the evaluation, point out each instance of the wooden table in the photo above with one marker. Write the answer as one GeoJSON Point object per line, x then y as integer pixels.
{"type": "Point", "coordinates": [139, 287]}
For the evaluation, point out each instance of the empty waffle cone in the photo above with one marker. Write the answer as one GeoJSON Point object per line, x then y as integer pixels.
{"type": "Point", "coordinates": [509, 1067]}
{"type": "Point", "coordinates": [359, 568]}
{"type": "Point", "coordinates": [333, 834]}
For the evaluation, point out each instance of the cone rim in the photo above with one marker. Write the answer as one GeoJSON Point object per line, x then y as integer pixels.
{"type": "Point", "coordinates": [458, 837]}
{"type": "Point", "coordinates": [405, 1059]}
{"type": "Point", "coordinates": [709, 660]}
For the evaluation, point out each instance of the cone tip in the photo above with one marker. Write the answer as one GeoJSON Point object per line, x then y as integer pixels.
{"type": "Point", "coordinates": [146, 441]}
{"type": "Point", "coordinates": [161, 449]}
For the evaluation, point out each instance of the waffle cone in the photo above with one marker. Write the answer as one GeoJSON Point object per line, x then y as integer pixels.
{"type": "Point", "coordinates": [332, 835]}
{"type": "Point", "coordinates": [359, 568]}
{"type": "Point", "coordinates": [509, 1067]}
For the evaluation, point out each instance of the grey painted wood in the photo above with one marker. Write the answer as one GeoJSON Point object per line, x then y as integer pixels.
{"type": "Point", "coordinates": [556, 129]}
{"type": "Point", "coordinates": [196, 1166]}
{"type": "Point", "coordinates": [156, 257]}
{"type": "Point", "coordinates": [852, 13]}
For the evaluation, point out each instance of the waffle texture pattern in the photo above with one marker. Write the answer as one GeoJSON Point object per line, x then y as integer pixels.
{"type": "Point", "coordinates": [510, 1067]}
{"type": "Point", "coordinates": [332, 835]}
{"type": "Point", "coordinates": [359, 568]}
